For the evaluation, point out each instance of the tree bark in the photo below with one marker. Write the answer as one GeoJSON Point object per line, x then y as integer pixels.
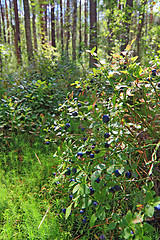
{"type": "Point", "coordinates": [7, 18]}
{"type": "Point", "coordinates": [80, 28]}
{"type": "Point", "coordinates": [53, 33]}
{"type": "Point", "coordinates": [3, 23]}
{"type": "Point", "coordinates": [74, 30]}
{"type": "Point", "coordinates": [17, 34]}
{"type": "Point", "coordinates": [68, 25]}
{"type": "Point", "coordinates": [61, 19]}
{"type": "Point", "coordinates": [86, 23]}
{"type": "Point", "coordinates": [0, 43]}
{"type": "Point", "coordinates": [93, 30]}
{"type": "Point", "coordinates": [28, 30]}
{"type": "Point", "coordinates": [34, 26]}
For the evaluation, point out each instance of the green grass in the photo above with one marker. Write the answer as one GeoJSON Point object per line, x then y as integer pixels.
{"type": "Point", "coordinates": [23, 200]}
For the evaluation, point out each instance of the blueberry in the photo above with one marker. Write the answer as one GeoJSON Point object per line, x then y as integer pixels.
{"type": "Point", "coordinates": [102, 237]}
{"type": "Point", "coordinates": [79, 154]}
{"type": "Point", "coordinates": [157, 207]}
{"type": "Point", "coordinates": [67, 125]}
{"type": "Point", "coordinates": [97, 180]}
{"type": "Point", "coordinates": [70, 196]}
{"type": "Point", "coordinates": [75, 99]}
{"type": "Point", "coordinates": [106, 135]}
{"type": "Point", "coordinates": [117, 188]}
{"type": "Point", "coordinates": [106, 118]}
{"type": "Point", "coordinates": [75, 114]}
{"type": "Point", "coordinates": [88, 87]}
{"type": "Point", "coordinates": [68, 172]}
{"type": "Point", "coordinates": [117, 174]}
{"type": "Point", "coordinates": [158, 84]}
{"type": "Point", "coordinates": [112, 189]}
{"type": "Point", "coordinates": [91, 155]}
{"type": "Point", "coordinates": [95, 105]}
{"type": "Point", "coordinates": [95, 204]}
{"type": "Point", "coordinates": [80, 90]}
{"type": "Point", "coordinates": [72, 180]}
{"type": "Point", "coordinates": [57, 182]}
{"type": "Point", "coordinates": [91, 190]}
{"type": "Point", "coordinates": [128, 175]}
{"type": "Point", "coordinates": [47, 142]}
{"type": "Point", "coordinates": [81, 211]}
{"type": "Point", "coordinates": [82, 129]}
{"type": "Point", "coordinates": [107, 145]}
{"type": "Point", "coordinates": [74, 170]}
{"type": "Point", "coordinates": [84, 220]}
{"type": "Point", "coordinates": [97, 151]}
{"type": "Point", "coordinates": [54, 174]}
{"type": "Point", "coordinates": [154, 72]}
{"type": "Point", "coordinates": [79, 104]}
{"type": "Point", "coordinates": [64, 210]}
{"type": "Point", "coordinates": [88, 152]}
{"type": "Point", "coordinates": [91, 81]}
{"type": "Point", "coordinates": [84, 139]}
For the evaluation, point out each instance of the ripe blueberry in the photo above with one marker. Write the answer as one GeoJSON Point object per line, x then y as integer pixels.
{"type": "Point", "coordinates": [95, 203]}
{"type": "Point", "coordinates": [70, 196]}
{"type": "Point", "coordinates": [74, 170]}
{"type": "Point", "coordinates": [79, 154]}
{"type": "Point", "coordinates": [154, 72]}
{"type": "Point", "coordinates": [72, 180]}
{"type": "Point", "coordinates": [107, 145]}
{"type": "Point", "coordinates": [91, 190]}
{"type": "Point", "coordinates": [158, 84]}
{"type": "Point", "coordinates": [91, 155]}
{"type": "Point", "coordinates": [106, 118]}
{"type": "Point", "coordinates": [88, 152]}
{"type": "Point", "coordinates": [75, 114]}
{"type": "Point", "coordinates": [67, 125]}
{"type": "Point", "coordinates": [47, 142]}
{"type": "Point", "coordinates": [68, 172]}
{"type": "Point", "coordinates": [102, 237]}
{"type": "Point", "coordinates": [75, 99]}
{"type": "Point", "coordinates": [57, 182]}
{"type": "Point", "coordinates": [81, 211]}
{"type": "Point", "coordinates": [97, 180]}
{"type": "Point", "coordinates": [117, 174]}
{"type": "Point", "coordinates": [64, 210]}
{"type": "Point", "coordinates": [128, 175]}
{"type": "Point", "coordinates": [84, 139]}
{"type": "Point", "coordinates": [106, 135]}
{"type": "Point", "coordinates": [79, 104]}
{"type": "Point", "coordinates": [157, 207]}
{"type": "Point", "coordinates": [54, 174]}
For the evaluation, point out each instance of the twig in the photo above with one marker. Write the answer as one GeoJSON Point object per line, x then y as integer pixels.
{"type": "Point", "coordinates": [44, 217]}
{"type": "Point", "coordinates": [38, 159]}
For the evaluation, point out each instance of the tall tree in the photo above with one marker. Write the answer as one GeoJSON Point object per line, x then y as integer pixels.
{"type": "Point", "coordinates": [34, 26]}
{"type": "Point", "coordinates": [80, 28]}
{"type": "Point", "coordinates": [61, 19]}
{"type": "Point", "coordinates": [28, 29]}
{"type": "Point", "coordinates": [93, 29]}
{"type": "Point", "coordinates": [53, 33]}
{"type": "Point", "coordinates": [127, 24]}
{"type": "Point", "coordinates": [74, 30]}
{"type": "Point", "coordinates": [0, 43]}
{"type": "Point", "coordinates": [3, 22]}
{"type": "Point", "coordinates": [7, 18]}
{"type": "Point", "coordinates": [45, 17]}
{"type": "Point", "coordinates": [17, 33]}
{"type": "Point", "coordinates": [42, 22]}
{"type": "Point", "coordinates": [86, 23]}
{"type": "Point", "coordinates": [68, 25]}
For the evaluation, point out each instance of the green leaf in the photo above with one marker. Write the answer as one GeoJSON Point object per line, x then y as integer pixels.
{"type": "Point", "coordinates": [110, 169]}
{"type": "Point", "coordinates": [111, 226]}
{"type": "Point", "coordinates": [95, 175]}
{"type": "Point", "coordinates": [68, 211]}
{"type": "Point", "coordinates": [129, 217]}
{"type": "Point", "coordinates": [76, 188]}
{"type": "Point", "coordinates": [149, 210]}
{"type": "Point", "coordinates": [93, 219]}
{"type": "Point", "coordinates": [93, 49]}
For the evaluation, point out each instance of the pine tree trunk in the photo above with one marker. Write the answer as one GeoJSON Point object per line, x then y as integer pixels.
{"type": "Point", "coordinates": [53, 33]}
{"type": "Point", "coordinates": [93, 29]}
{"type": "Point", "coordinates": [74, 30]}
{"type": "Point", "coordinates": [17, 33]}
{"type": "Point", "coordinates": [34, 26]}
{"type": "Point", "coordinates": [0, 43]}
{"type": "Point", "coordinates": [3, 23]}
{"type": "Point", "coordinates": [80, 28]}
{"type": "Point", "coordinates": [68, 25]}
{"type": "Point", "coordinates": [7, 18]}
{"type": "Point", "coordinates": [61, 18]}
{"type": "Point", "coordinates": [28, 30]}
{"type": "Point", "coordinates": [86, 23]}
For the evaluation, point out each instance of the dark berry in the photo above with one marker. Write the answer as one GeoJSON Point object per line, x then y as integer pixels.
{"type": "Point", "coordinates": [57, 182]}
{"type": "Point", "coordinates": [97, 180]}
{"type": "Point", "coordinates": [84, 139]}
{"type": "Point", "coordinates": [88, 152]}
{"type": "Point", "coordinates": [70, 196]}
{"type": "Point", "coordinates": [95, 204]}
{"type": "Point", "coordinates": [97, 151]}
{"type": "Point", "coordinates": [88, 87]}
{"type": "Point", "coordinates": [74, 170]}
{"type": "Point", "coordinates": [75, 114]}
{"type": "Point", "coordinates": [128, 175]}
{"type": "Point", "coordinates": [54, 174]}
{"type": "Point", "coordinates": [67, 125]}
{"type": "Point", "coordinates": [117, 188]}
{"type": "Point", "coordinates": [79, 154]}
{"type": "Point", "coordinates": [68, 172]}
{"type": "Point", "coordinates": [102, 237]}
{"type": "Point", "coordinates": [107, 145]}
{"type": "Point", "coordinates": [117, 174]}
{"type": "Point", "coordinates": [72, 180]}
{"type": "Point", "coordinates": [64, 210]}
{"type": "Point", "coordinates": [106, 118]}
{"type": "Point", "coordinates": [75, 99]}
{"type": "Point", "coordinates": [158, 84]}
{"type": "Point", "coordinates": [91, 155]}
{"type": "Point", "coordinates": [81, 211]}
{"type": "Point", "coordinates": [91, 190]}
{"type": "Point", "coordinates": [82, 129]}
{"type": "Point", "coordinates": [79, 104]}
{"type": "Point", "coordinates": [84, 220]}
{"type": "Point", "coordinates": [47, 142]}
{"type": "Point", "coordinates": [106, 135]}
{"type": "Point", "coordinates": [154, 72]}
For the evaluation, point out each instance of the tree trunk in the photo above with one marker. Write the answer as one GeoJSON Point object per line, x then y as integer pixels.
{"type": "Point", "coordinates": [53, 33]}
{"type": "Point", "coordinates": [42, 20]}
{"type": "Point", "coordinates": [7, 18]}
{"type": "Point", "coordinates": [86, 23]}
{"type": "Point", "coordinates": [28, 30]}
{"type": "Point", "coordinates": [93, 30]}
{"type": "Point", "coordinates": [45, 17]}
{"type": "Point", "coordinates": [0, 43]}
{"type": "Point", "coordinates": [3, 23]}
{"type": "Point", "coordinates": [127, 23]}
{"type": "Point", "coordinates": [34, 26]}
{"type": "Point", "coordinates": [61, 18]}
{"type": "Point", "coordinates": [17, 34]}
{"type": "Point", "coordinates": [68, 25]}
{"type": "Point", "coordinates": [74, 30]}
{"type": "Point", "coordinates": [80, 28]}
